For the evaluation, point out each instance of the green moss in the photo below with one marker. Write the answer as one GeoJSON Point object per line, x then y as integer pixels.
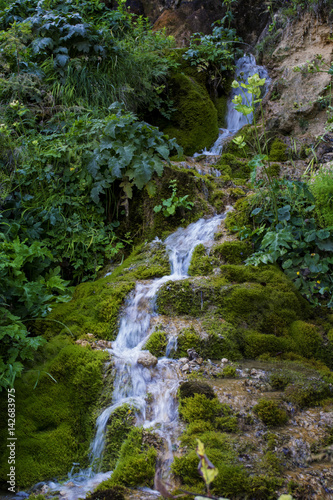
{"type": "Point", "coordinates": [221, 105]}
{"type": "Point", "coordinates": [308, 392]}
{"type": "Point", "coordinates": [270, 413]}
{"type": "Point", "coordinates": [156, 344]}
{"type": "Point", "coordinates": [217, 198]}
{"type": "Point", "coordinates": [232, 165]}
{"type": "Point", "coordinates": [55, 424]}
{"type": "Point", "coordinates": [280, 379]}
{"type": "Point", "coordinates": [232, 252]}
{"type": "Point", "coordinates": [271, 464]}
{"type": "Point", "coordinates": [227, 424]}
{"type": "Point", "coordinates": [136, 463]}
{"type": "Point", "coordinates": [308, 342]}
{"type": "Point", "coordinates": [274, 170]}
{"type": "Point", "coordinates": [188, 339]}
{"type": "Point", "coordinates": [229, 372]}
{"type": "Point", "coordinates": [278, 151]}
{"type": "Point", "coordinates": [194, 124]}
{"type": "Point", "coordinates": [119, 426]}
{"type": "Point", "coordinates": [198, 407]}
{"type": "Point", "coordinates": [201, 263]}
{"type": "Point", "coordinates": [240, 216]}
{"type": "Point", "coordinates": [257, 344]}
{"type": "Point", "coordinates": [115, 493]}
{"type": "Point", "coordinates": [223, 339]}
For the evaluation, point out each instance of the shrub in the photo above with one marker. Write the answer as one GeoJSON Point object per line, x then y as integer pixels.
{"type": "Point", "coordinates": [190, 388]}
{"type": "Point", "coordinates": [270, 413]}
{"type": "Point", "coordinates": [308, 393]}
{"type": "Point", "coordinates": [321, 185]}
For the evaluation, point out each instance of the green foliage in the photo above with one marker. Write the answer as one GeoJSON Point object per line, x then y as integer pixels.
{"type": "Point", "coordinates": [270, 413]}
{"type": "Point", "coordinates": [215, 53]}
{"type": "Point", "coordinates": [170, 205]}
{"type": "Point", "coordinates": [190, 388]}
{"type": "Point", "coordinates": [229, 372]}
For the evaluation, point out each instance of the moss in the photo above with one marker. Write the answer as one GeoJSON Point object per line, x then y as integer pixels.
{"type": "Point", "coordinates": [194, 124]}
{"type": "Point", "coordinates": [198, 407]}
{"type": "Point", "coordinates": [217, 198]}
{"type": "Point", "coordinates": [190, 388]}
{"type": "Point", "coordinates": [274, 170]}
{"type": "Point", "coordinates": [223, 338]}
{"type": "Point", "coordinates": [229, 372]}
{"type": "Point", "coordinates": [136, 464]}
{"type": "Point", "coordinates": [221, 105]}
{"type": "Point", "coordinates": [237, 167]}
{"type": "Point", "coordinates": [308, 341]}
{"type": "Point", "coordinates": [232, 252]}
{"type": "Point", "coordinates": [308, 392]}
{"type": "Point", "coordinates": [270, 413]}
{"type": "Point", "coordinates": [236, 193]}
{"type": "Point", "coordinates": [257, 344]}
{"type": "Point", "coordinates": [156, 344]}
{"type": "Point", "coordinates": [240, 216]}
{"type": "Point", "coordinates": [271, 464]}
{"type": "Point", "coordinates": [201, 263]}
{"type": "Point", "coordinates": [119, 426]}
{"type": "Point", "coordinates": [188, 339]}
{"type": "Point", "coordinates": [55, 424]}
{"type": "Point", "coordinates": [278, 151]}
{"type": "Point", "coordinates": [115, 493]}
{"type": "Point", "coordinates": [280, 379]}
{"type": "Point", "coordinates": [264, 487]}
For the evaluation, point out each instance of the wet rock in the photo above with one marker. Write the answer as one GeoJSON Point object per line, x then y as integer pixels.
{"type": "Point", "coordinates": [183, 360]}
{"type": "Point", "coordinates": [185, 368]}
{"type": "Point", "coordinates": [192, 354]}
{"type": "Point", "coordinates": [147, 360]}
{"type": "Point", "coordinates": [188, 389]}
{"type": "Point", "coordinates": [224, 360]}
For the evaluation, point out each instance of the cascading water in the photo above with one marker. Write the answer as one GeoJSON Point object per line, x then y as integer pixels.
{"type": "Point", "coordinates": [245, 66]}
{"type": "Point", "coordinates": [133, 381]}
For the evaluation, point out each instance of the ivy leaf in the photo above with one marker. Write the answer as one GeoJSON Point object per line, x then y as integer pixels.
{"type": "Point", "coordinates": [127, 187]}
{"type": "Point", "coordinates": [40, 44]}
{"type": "Point", "coordinates": [61, 59]}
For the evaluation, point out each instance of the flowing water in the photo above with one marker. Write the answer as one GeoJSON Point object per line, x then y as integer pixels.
{"type": "Point", "coordinates": [245, 66]}
{"type": "Point", "coordinates": [133, 381]}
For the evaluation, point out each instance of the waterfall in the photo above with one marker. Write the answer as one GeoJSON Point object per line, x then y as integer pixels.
{"type": "Point", "coordinates": [245, 66]}
{"type": "Point", "coordinates": [133, 381]}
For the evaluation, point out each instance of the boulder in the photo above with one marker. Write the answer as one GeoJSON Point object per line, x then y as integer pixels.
{"type": "Point", "coordinates": [147, 360]}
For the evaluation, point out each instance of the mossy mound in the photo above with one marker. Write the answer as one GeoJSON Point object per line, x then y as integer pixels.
{"type": "Point", "coordinates": [55, 423]}
{"type": "Point", "coordinates": [195, 123]}
{"type": "Point", "coordinates": [221, 105]}
{"type": "Point", "coordinates": [156, 344]}
{"type": "Point", "coordinates": [136, 463]}
{"type": "Point", "coordinates": [119, 426]}
{"type": "Point", "coordinates": [232, 252]}
{"type": "Point", "coordinates": [240, 216]}
{"type": "Point", "coordinates": [308, 392]}
{"type": "Point", "coordinates": [278, 151]}
{"type": "Point", "coordinates": [115, 493]}
{"type": "Point", "coordinates": [201, 264]}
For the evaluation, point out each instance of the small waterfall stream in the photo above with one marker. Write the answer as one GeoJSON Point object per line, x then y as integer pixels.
{"type": "Point", "coordinates": [245, 66]}
{"type": "Point", "coordinates": [133, 381]}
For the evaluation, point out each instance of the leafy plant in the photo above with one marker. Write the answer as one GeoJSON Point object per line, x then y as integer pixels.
{"type": "Point", "coordinates": [174, 202]}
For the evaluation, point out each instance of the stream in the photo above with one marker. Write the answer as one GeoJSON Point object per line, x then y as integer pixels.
{"type": "Point", "coordinates": [134, 377]}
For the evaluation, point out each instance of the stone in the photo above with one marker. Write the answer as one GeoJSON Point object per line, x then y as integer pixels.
{"type": "Point", "coordinates": [192, 354]}
{"type": "Point", "coordinates": [224, 360]}
{"type": "Point", "coordinates": [147, 360]}
{"type": "Point", "coordinates": [183, 360]}
{"type": "Point", "coordinates": [185, 368]}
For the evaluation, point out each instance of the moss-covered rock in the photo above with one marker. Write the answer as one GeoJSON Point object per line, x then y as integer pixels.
{"type": "Point", "coordinates": [115, 493]}
{"type": "Point", "coordinates": [278, 151]}
{"type": "Point", "coordinates": [119, 426]}
{"type": "Point", "coordinates": [221, 105]}
{"type": "Point", "coordinates": [156, 344]}
{"type": "Point", "coordinates": [240, 216]}
{"type": "Point", "coordinates": [54, 423]}
{"type": "Point", "coordinates": [308, 341]}
{"type": "Point", "coordinates": [194, 124]}
{"type": "Point", "coordinates": [232, 252]}
{"type": "Point", "coordinates": [136, 463]}
{"type": "Point", "coordinates": [201, 264]}
{"type": "Point", "coordinates": [308, 392]}
{"type": "Point", "coordinates": [199, 407]}
{"type": "Point", "coordinates": [238, 167]}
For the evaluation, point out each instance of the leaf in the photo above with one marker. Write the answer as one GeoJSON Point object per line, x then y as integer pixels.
{"type": "Point", "coordinates": [323, 234]}
{"type": "Point", "coordinates": [327, 245]}
{"type": "Point", "coordinates": [256, 211]}
{"type": "Point", "coordinates": [151, 188]}
{"type": "Point", "coordinates": [61, 59]}
{"type": "Point", "coordinates": [95, 192]}
{"type": "Point", "coordinates": [40, 44]}
{"type": "Point", "coordinates": [163, 150]}
{"type": "Point", "coordinates": [127, 187]}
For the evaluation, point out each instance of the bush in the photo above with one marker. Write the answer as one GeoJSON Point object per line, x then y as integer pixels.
{"type": "Point", "coordinates": [190, 388]}
{"type": "Point", "coordinates": [308, 393]}
{"type": "Point", "coordinates": [321, 185]}
{"type": "Point", "coordinates": [270, 413]}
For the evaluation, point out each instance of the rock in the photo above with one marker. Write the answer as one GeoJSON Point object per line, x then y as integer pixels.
{"type": "Point", "coordinates": [146, 359]}
{"type": "Point", "coordinates": [183, 360]}
{"type": "Point", "coordinates": [199, 361]}
{"type": "Point", "coordinates": [37, 487]}
{"type": "Point", "coordinates": [90, 335]}
{"type": "Point", "coordinates": [188, 389]}
{"type": "Point", "coordinates": [185, 368]}
{"type": "Point", "coordinates": [192, 354]}
{"type": "Point", "coordinates": [224, 360]}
